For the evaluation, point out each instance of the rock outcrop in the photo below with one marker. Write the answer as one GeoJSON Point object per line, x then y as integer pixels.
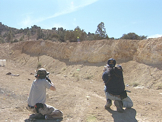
{"type": "Point", "coordinates": [149, 51]}
{"type": "Point", "coordinates": [145, 51]}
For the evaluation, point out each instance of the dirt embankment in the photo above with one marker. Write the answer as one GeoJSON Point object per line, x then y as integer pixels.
{"type": "Point", "coordinates": [146, 52]}
{"type": "Point", "coordinates": [76, 70]}
{"type": "Point", "coordinates": [143, 51]}
{"type": "Point", "coordinates": [141, 59]}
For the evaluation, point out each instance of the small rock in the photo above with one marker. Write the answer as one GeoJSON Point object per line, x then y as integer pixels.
{"type": "Point", "coordinates": [9, 73]}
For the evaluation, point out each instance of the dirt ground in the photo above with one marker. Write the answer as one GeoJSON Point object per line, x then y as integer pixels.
{"type": "Point", "coordinates": [79, 95]}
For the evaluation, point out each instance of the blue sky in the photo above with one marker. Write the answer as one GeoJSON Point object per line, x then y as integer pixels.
{"type": "Point", "coordinates": [142, 17]}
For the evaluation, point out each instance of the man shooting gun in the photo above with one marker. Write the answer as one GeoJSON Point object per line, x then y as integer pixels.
{"type": "Point", "coordinates": [38, 88]}
{"type": "Point", "coordinates": [115, 87]}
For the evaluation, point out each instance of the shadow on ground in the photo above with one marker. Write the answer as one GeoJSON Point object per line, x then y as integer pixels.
{"type": "Point", "coordinates": [42, 120]}
{"type": "Point", "coordinates": [127, 116]}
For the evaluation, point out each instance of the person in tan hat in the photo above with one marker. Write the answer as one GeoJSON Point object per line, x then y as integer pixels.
{"type": "Point", "coordinates": [38, 88]}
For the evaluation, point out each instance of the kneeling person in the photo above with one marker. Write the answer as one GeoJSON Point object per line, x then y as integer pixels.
{"type": "Point", "coordinates": [115, 87]}
{"type": "Point", "coordinates": [38, 88]}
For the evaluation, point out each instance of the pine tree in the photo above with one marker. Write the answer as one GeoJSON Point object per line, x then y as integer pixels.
{"type": "Point", "coordinates": [101, 31]}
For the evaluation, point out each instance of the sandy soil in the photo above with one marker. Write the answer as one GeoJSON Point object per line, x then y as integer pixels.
{"type": "Point", "coordinates": [79, 93]}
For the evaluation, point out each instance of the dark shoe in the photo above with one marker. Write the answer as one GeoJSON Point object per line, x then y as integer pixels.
{"type": "Point", "coordinates": [36, 116]}
{"type": "Point", "coordinates": [108, 104]}
{"type": "Point", "coordinates": [119, 105]}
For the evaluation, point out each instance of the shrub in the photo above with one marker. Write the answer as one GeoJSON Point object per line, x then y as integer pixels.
{"type": "Point", "coordinates": [39, 65]}
{"type": "Point", "coordinates": [133, 36]}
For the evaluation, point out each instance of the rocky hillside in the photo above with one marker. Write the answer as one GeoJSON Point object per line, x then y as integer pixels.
{"type": "Point", "coordinates": [140, 59]}
{"type": "Point", "coordinates": [144, 51]}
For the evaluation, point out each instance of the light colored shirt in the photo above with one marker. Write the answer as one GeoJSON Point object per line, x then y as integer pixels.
{"type": "Point", "coordinates": [38, 91]}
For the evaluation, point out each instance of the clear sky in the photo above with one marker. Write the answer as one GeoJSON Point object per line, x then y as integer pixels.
{"type": "Point", "coordinates": [143, 17]}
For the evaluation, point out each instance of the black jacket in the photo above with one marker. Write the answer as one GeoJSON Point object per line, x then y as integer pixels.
{"type": "Point", "coordinates": [113, 79]}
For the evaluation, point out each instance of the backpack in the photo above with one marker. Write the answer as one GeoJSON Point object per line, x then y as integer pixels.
{"type": "Point", "coordinates": [116, 72]}
{"type": "Point", "coordinates": [113, 72]}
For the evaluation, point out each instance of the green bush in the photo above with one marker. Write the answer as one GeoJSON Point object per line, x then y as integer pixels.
{"type": "Point", "coordinates": [133, 36]}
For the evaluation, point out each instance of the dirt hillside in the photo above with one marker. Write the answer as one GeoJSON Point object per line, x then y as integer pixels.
{"type": "Point", "coordinates": [76, 70]}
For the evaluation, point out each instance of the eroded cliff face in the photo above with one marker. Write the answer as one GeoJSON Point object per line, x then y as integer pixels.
{"type": "Point", "coordinates": [149, 51]}
{"type": "Point", "coordinates": [145, 51]}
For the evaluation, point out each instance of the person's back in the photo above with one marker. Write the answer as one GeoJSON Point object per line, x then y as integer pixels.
{"type": "Point", "coordinates": [114, 78]}
{"type": "Point", "coordinates": [38, 89]}
{"type": "Point", "coordinates": [115, 87]}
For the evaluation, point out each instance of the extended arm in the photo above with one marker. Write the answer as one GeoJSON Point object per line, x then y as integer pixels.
{"type": "Point", "coordinates": [53, 88]}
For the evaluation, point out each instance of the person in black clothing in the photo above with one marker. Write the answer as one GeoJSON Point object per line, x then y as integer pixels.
{"type": "Point", "coordinates": [115, 87]}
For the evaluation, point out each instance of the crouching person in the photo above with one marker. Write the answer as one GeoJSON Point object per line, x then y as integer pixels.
{"type": "Point", "coordinates": [38, 89]}
{"type": "Point", "coordinates": [115, 87]}
{"type": "Point", "coordinates": [44, 111]}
